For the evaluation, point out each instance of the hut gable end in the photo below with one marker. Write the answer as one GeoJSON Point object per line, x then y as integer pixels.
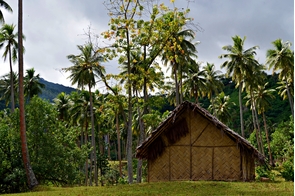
{"type": "Point", "coordinates": [191, 144]}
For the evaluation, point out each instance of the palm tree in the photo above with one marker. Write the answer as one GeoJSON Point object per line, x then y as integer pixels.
{"type": "Point", "coordinates": [238, 65]}
{"type": "Point", "coordinates": [251, 82]}
{"type": "Point", "coordinates": [180, 50]}
{"type": "Point", "coordinates": [79, 115]}
{"type": "Point", "coordinates": [8, 40]}
{"type": "Point", "coordinates": [263, 98]}
{"type": "Point", "coordinates": [87, 67]}
{"type": "Point", "coordinates": [221, 107]}
{"type": "Point", "coordinates": [31, 178]}
{"type": "Point", "coordinates": [286, 88]}
{"type": "Point", "coordinates": [6, 7]}
{"type": "Point", "coordinates": [195, 81]}
{"type": "Point", "coordinates": [282, 58]}
{"type": "Point", "coordinates": [117, 104]}
{"type": "Point", "coordinates": [5, 87]}
{"type": "Point", "coordinates": [63, 104]}
{"type": "Point", "coordinates": [213, 82]}
{"type": "Point", "coordinates": [32, 84]}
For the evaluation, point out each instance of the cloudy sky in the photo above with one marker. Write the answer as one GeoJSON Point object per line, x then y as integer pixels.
{"type": "Point", "coordinates": [54, 28]}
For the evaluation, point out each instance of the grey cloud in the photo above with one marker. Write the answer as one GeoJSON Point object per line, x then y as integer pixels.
{"type": "Point", "coordinates": [54, 29]}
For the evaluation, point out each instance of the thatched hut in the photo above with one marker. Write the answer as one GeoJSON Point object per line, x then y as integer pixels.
{"type": "Point", "coordinates": [192, 144]}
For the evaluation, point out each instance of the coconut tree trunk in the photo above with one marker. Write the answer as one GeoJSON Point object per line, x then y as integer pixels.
{"type": "Point", "coordinates": [119, 145]}
{"type": "Point", "coordinates": [180, 86]}
{"type": "Point", "coordinates": [196, 94]}
{"type": "Point", "coordinates": [267, 139]}
{"type": "Point", "coordinates": [241, 110]}
{"type": "Point", "coordinates": [93, 153]}
{"type": "Point", "coordinates": [255, 127]}
{"type": "Point", "coordinates": [109, 146]}
{"type": "Point", "coordinates": [86, 162]}
{"type": "Point", "coordinates": [141, 139]}
{"type": "Point", "coordinates": [290, 99]}
{"type": "Point", "coordinates": [259, 130]}
{"type": "Point", "coordinates": [176, 83]}
{"type": "Point", "coordinates": [31, 179]}
{"type": "Point", "coordinates": [11, 82]}
{"type": "Point", "coordinates": [129, 129]}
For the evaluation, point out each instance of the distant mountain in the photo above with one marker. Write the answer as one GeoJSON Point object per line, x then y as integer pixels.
{"type": "Point", "coordinates": [51, 90]}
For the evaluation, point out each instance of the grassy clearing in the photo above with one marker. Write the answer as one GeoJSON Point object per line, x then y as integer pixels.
{"type": "Point", "coordinates": [173, 188]}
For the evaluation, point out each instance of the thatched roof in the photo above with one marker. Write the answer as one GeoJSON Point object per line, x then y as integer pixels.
{"type": "Point", "coordinates": [154, 145]}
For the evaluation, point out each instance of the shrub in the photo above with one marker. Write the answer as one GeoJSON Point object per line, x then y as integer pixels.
{"type": "Point", "coordinates": [288, 171]}
{"type": "Point", "coordinates": [264, 171]}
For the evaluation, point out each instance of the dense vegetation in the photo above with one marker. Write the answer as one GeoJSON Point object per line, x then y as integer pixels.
{"type": "Point", "coordinates": [72, 135]}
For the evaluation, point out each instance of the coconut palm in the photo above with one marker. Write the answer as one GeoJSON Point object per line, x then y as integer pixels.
{"type": "Point", "coordinates": [180, 50]}
{"type": "Point", "coordinates": [33, 86]}
{"type": "Point", "coordinates": [282, 58]}
{"type": "Point", "coordinates": [238, 65]}
{"type": "Point", "coordinates": [31, 178]}
{"type": "Point", "coordinates": [286, 88]}
{"type": "Point", "coordinates": [263, 98]}
{"type": "Point", "coordinates": [251, 82]}
{"type": "Point", "coordinates": [213, 82]}
{"type": "Point", "coordinates": [79, 115]}
{"type": "Point", "coordinates": [5, 87]}
{"type": "Point", "coordinates": [63, 104]}
{"type": "Point", "coordinates": [195, 81]}
{"type": "Point", "coordinates": [221, 107]}
{"type": "Point", "coordinates": [117, 103]}
{"type": "Point", "coordinates": [87, 67]}
{"type": "Point", "coordinates": [8, 41]}
{"type": "Point", "coordinates": [6, 7]}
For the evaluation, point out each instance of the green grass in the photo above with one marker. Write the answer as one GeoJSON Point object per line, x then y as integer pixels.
{"type": "Point", "coordinates": [173, 188]}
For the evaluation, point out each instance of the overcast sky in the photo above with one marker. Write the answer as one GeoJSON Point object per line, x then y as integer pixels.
{"type": "Point", "coordinates": [54, 28]}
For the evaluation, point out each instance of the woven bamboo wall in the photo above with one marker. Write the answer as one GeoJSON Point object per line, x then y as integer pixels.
{"type": "Point", "coordinates": [206, 153]}
{"type": "Point", "coordinates": [159, 168]}
{"type": "Point", "coordinates": [226, 163]}
{"type": "Point", "coordinates": [179, 162]}
{"type": "Point", "coordinates": [201, 163]}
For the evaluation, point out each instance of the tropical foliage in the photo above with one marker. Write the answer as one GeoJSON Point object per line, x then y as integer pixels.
{"type": "Point", "coordinates": [73, 138]}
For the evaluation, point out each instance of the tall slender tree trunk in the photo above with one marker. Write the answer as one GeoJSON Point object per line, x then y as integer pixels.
{"type": "Point", "coordinates": [109, 146]}
{"type": "Point", "coordinates": [180, 87]}
{"type": "Point", "coordinates": [119, 145]}
{"type": "Point", "coordinates": [81, 144]}
{"type": "Point", "coordinates": [129, 130]}
{"type": "Point", "coordinates": [141, 124]}
{"type": "Point", "coordinates": [267, 139]}
{"type": "Point", "coordinates": [11, 82]}
{"type": "Point", "coordinates": [255, 127]}
{"type": "Point", "coordinates": [141, 139]}
{"type": "Point", "coordinates": [241, 110]}
{"type": "Point", "coordinates": [31, 179]}
{"type": "Point", "coordinates": [81, 138]}
{"type": "Point", "coordinates": [259, 130]}
{"type": "Point", "coordinates": [176, 85]}
{"type": "Point", "coordinates": [93, 153]}
{"type": "Point", "coordinates": [86, 162]}
{"type": "Point", "coordinates": [290, 99]}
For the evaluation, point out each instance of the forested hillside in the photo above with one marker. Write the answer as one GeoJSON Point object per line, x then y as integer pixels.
{"type": "Point", "coordinates": [51, 90]}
